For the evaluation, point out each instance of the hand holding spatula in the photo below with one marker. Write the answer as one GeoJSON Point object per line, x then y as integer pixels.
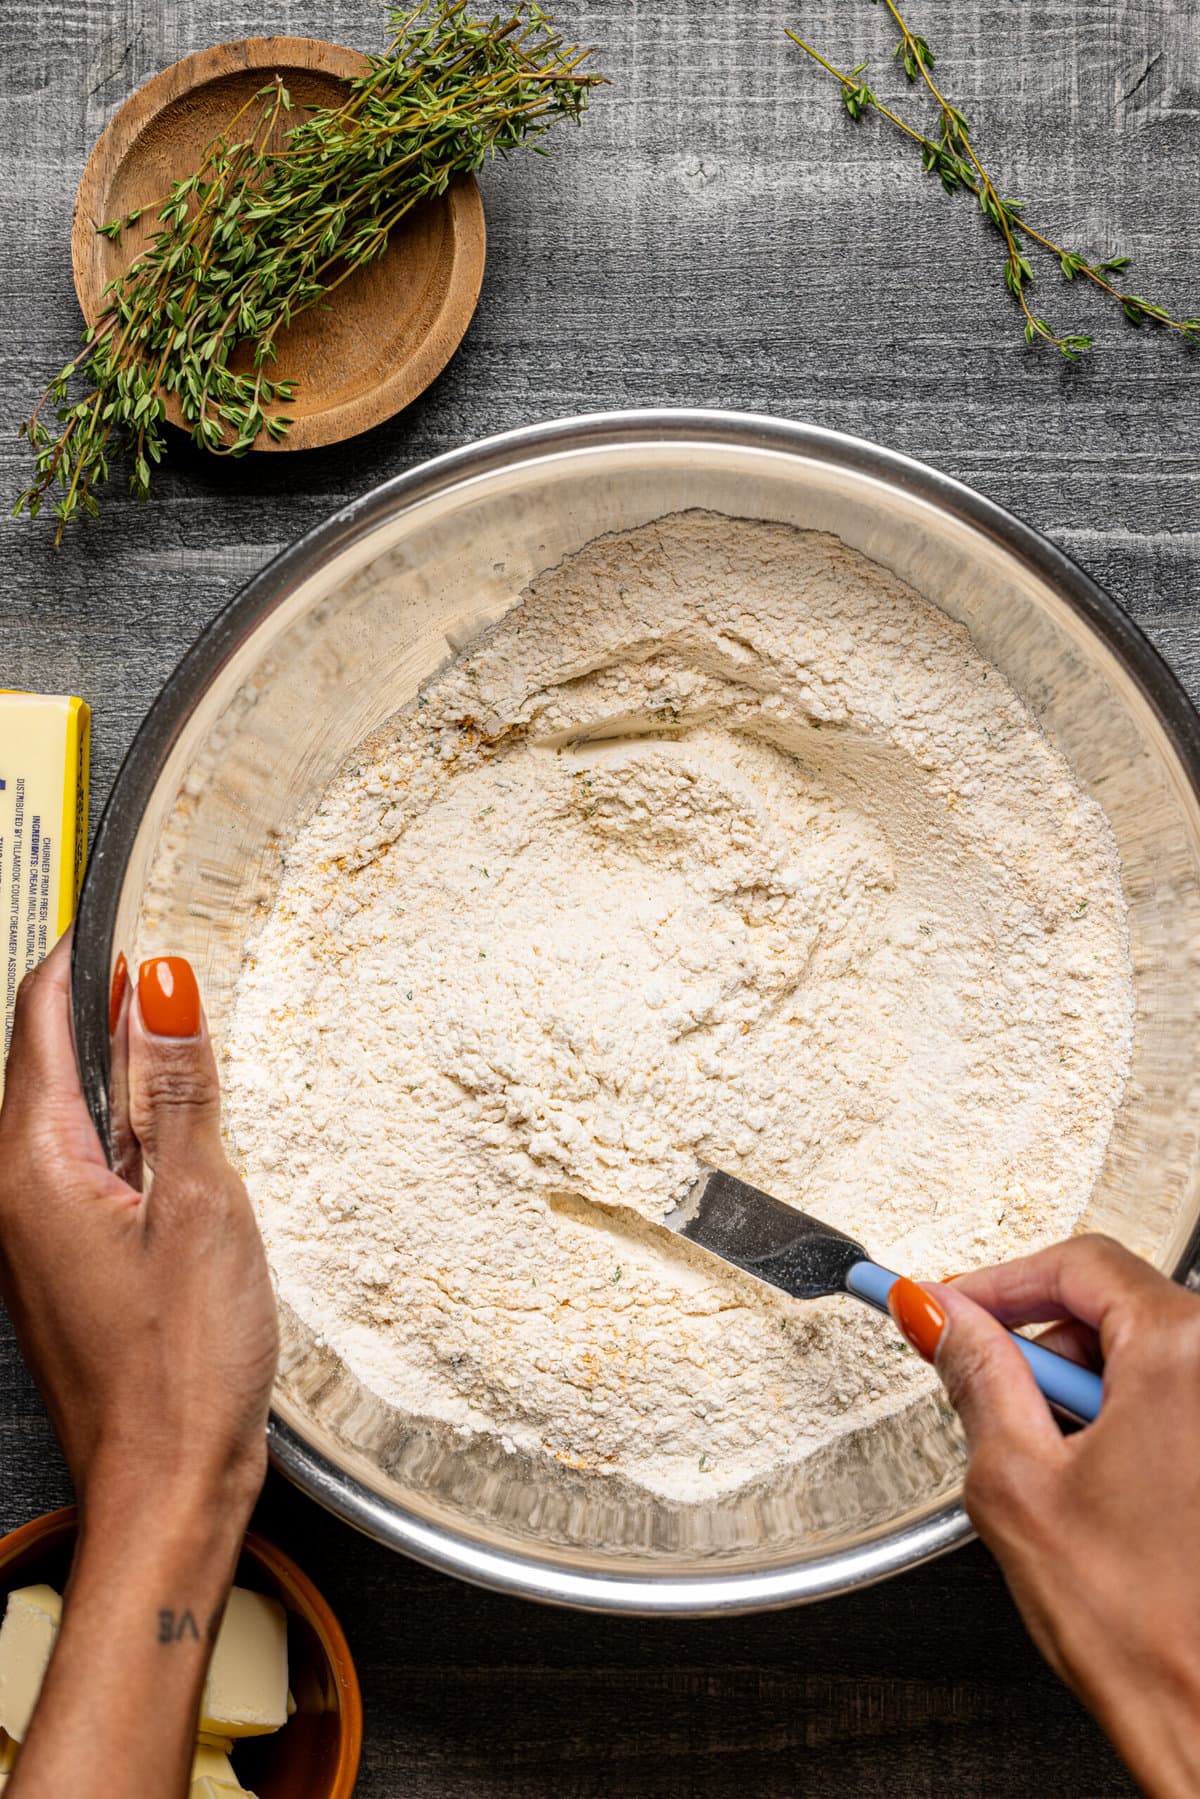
{"type": "Point", "coordinates": [798, 1254]}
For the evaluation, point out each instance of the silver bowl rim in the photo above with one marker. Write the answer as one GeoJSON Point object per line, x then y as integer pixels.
{"type": "Point", "coordinates": [449, 1550]}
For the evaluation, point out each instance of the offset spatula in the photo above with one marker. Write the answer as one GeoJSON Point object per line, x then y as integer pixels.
{"type": "Point", "coordinates": [808, 1259]}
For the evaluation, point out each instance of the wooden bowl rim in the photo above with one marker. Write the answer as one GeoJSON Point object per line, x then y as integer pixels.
{"type": "Point", "coordinates": [329, 424]}
{"type": "Point", "coordinates": [56, 1527]}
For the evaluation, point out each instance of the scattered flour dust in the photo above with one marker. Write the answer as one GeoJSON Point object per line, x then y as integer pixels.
{"type": "Point", "coordinates": [724, 846]}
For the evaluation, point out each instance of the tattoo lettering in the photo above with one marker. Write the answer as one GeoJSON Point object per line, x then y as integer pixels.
{"type": "Point", "coordinates": [177, 1627]}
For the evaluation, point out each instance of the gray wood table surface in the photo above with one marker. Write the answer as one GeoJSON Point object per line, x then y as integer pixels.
{"type": "Point", "coordinates": [717, 233]}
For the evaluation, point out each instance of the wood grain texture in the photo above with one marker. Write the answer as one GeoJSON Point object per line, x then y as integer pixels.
{"type": "Point", "coordinates": [398, 319]}
{"type": "Point", "coordinates": [718, 232]}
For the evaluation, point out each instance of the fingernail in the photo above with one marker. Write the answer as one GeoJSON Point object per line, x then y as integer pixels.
{"type": "Point", "coordinates": [116, 999]}
{"type": "Point", "coordinates": [919, 1316]}
{"type": "Point", "coordinates": [947, 1278]}
{"type": "Point", "coordinates": [169, 997]}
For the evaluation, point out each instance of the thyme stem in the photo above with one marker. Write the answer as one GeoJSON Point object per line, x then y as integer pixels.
{"type": "Point", "coordinates": [954, 160]}
{"type": "Point", "coordinates": [257, 235]}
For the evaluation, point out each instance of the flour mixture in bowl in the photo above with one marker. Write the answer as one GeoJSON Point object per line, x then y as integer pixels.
{"type": "Point", "coordinates": [724, 846]}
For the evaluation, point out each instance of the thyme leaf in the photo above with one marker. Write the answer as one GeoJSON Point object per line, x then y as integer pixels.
{"type": "Point", "coordinates": [257, 235]}
{"type": "Point", "coordinates": [952, 159]}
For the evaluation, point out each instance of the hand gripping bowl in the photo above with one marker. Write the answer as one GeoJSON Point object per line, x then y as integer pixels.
{"type": "Point", "coordinates": [339, 632]}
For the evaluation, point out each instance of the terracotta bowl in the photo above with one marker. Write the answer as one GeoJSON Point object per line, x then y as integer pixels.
{"type": "Point", "coordinates": [393, 325]}
{"type": "Point", "coordinates": [316, 1754]}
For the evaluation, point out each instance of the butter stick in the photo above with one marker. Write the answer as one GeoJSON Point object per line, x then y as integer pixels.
{"type": "Point", "coordinates": [27, 1638]}
{"type": "Point", "coordinates": [245, 1694]}
{"type": "Point", "coordinates": [44, 745]}
{"type": "Point", "coordinates": [213, 1775]}
{"type": "Point", "coordinates": [212, 1764]}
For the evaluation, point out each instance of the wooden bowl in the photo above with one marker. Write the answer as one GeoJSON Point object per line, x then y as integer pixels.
{"type": "Point", "coordinates": [316, 1754]}
{"type": "Point", "coordinates": [393, 325]}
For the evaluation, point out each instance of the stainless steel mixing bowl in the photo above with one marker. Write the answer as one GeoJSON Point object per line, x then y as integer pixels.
{"type": "Point", "coordinates": [339, 632]}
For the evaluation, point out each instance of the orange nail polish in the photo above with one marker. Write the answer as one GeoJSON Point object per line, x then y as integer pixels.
{"type": "Point", "coordinates": [169, 997]}
{"type": "Point", "coordinates": [919, 1316]}
{"type": "Point", "coordinates": [120, 982]}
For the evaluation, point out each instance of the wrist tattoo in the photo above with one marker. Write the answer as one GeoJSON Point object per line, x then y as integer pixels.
{"type": "Point", "coordinates": [181, 1626]}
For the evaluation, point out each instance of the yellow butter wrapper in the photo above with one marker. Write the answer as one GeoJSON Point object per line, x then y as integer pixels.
{"type": "Point", "coordinates": [44, 747]}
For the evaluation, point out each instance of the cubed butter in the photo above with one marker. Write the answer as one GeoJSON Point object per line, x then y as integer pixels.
{"type": "Point", "coordinates": [245, 1694]}
{"type": "Point", "coordinates": [43, 830]}
{"type": "Point", "coordinates": [27, 1635]}
{"type": "Point", "coordinates": [213, 1774]}
{"type": "Point", "coordinates": [212, 1764]}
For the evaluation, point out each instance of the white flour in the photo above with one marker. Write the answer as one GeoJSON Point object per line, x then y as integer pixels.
{"type": "Point", "coordinates": [823, 907]}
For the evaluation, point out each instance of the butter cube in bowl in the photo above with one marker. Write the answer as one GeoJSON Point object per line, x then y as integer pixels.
{"type": "Point", "coordinates": [280, 1716]}
{"type": "Point", "coordinates": [246, 1692]}
{"type": "Point", "coordinates": [27, 1633]}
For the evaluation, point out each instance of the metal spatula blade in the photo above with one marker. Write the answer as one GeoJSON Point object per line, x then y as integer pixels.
{"type": "Point", "coordinates": [797, 1253]}
{"type": "Point", "coordinates": [768, 1239]}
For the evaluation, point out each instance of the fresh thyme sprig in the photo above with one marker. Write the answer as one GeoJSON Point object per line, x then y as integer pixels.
{"type": "Point", "coordinates": [258, 235]}
{"type": "Point", "coordinates": [953, 159]}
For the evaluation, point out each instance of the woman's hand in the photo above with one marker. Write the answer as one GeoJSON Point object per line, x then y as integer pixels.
{"type": "Point", "coordinates": [1096, 1532]}
{"type": "Point", "coordinates": [148, 1321]}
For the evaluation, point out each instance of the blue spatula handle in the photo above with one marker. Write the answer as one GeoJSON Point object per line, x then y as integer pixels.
{"type": "Point", "coordinates": [1066, 1385]}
